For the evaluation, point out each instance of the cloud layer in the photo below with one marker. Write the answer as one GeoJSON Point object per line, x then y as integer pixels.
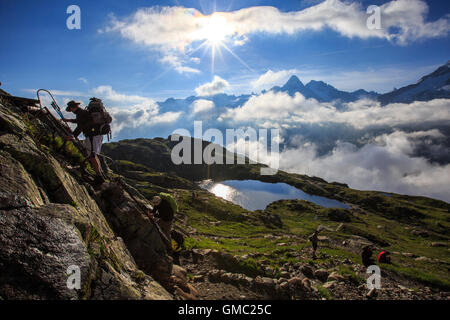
{"type": "Point", "coordinates": [218, 85]}
{"type": "Point", "coordinates": [173, 30]}
{"type": "Point", "coordinates": [281, 110]}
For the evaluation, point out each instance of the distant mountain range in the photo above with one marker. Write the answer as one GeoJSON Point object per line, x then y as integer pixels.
{"type": "Point", "coordinates": [322, 91]}
{"type": "Point", "coordinates": [432, 86]}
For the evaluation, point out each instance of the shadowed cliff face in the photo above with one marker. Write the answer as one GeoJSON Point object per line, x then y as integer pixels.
{"type": "Point", "coordinates": [51, 218]}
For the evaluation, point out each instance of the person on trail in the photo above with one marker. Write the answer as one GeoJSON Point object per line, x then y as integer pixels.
{"type": "Point", "coordinates": [93, 142]}
{"type": "Point", "coordinates": [384, 257]}
{"type": "Point", "coordinates": [314, 240]}
{"type": "Point", "coordinates": [366, 256]}
{"type": "Point", "coordinates": [164, 209]}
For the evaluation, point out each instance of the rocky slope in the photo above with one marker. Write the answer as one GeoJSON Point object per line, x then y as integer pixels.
{"type": "Point", "coordinates": [233, 253]}
{"type": "Point", "coordinates": [51, 218]}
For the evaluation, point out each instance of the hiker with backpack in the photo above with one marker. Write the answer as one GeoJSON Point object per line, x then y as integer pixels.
{"type": "Point", "coordinates": [366, 256]}
{"type": "Point", "coordinates": [94, 123]}
{"type": "Point", "coordinates": [384, 257]}
{"type": "Point", "coordinates": [164, 209]}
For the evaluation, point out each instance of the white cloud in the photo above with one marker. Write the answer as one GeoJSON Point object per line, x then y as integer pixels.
{"type": "Point", "coordinates": [386, 164]}
{"type": "Point", "coordinates": [177, 64]}
{"type": "Point", "coordinates": [132, 111]}
{"type": "Point", "coordinates": [84, 80]}
{"type": "Point", "coordinates": [218, 85]}
{"type": "Point", "coordinates": [108, 94]}
{"type": "Point", "coordinates": [128, 111]}
{"type": "Point", "coordinates": [176, 28]}
{"type": "Point", "coordinates": [139, 117]}
{"type": "Point", "coordinates": [281, 109]}
{"type": "Point", "coordinates": [173, 31]}
{"type": "Point", "coordinates": [272, 78]}
{"type": "Point", "coordinates": [202, 105]}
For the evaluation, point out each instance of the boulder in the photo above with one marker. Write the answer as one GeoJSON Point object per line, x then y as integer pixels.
{"type": "Point", "coordinates": [321, 274]}
{"type": "Point", "coordinates": [306, 284]}
{"type": "Point", "coordinates": [307, 271]}
{"type": "Point", "coordinates": [329, 284]}
{"type": "Point", "coordinates": [334, 276]}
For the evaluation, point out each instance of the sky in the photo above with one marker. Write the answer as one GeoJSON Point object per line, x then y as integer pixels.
{"type": "Point", "coordinates": [148, 48]}
{"type": "Point", "coordinates": [136, 54]}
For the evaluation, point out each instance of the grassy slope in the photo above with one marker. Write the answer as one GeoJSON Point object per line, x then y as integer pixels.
{"type": "Point", "coordinates": [388, 221]}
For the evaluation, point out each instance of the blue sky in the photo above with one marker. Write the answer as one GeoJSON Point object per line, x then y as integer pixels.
{"type": "Point", "coordinates": [39, 51]}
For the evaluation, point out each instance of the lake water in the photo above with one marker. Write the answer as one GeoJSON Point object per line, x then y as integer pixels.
{"type": "Point", "coordinates": [254, 195]}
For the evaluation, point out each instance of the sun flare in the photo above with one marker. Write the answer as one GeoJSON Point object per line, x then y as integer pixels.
{"type": "Point", "coordinates": [215, 29]}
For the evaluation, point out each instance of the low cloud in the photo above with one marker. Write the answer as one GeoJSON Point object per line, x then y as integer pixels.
{"type": "Point", "coordinates": [128, 111]}
{"type": "Point", "coordinates": [218, 85]}
{"type": "Point", "coordinates": [282, 110]}
{"type": "Point", "coordinates": [202, 105]}
{"type": "Point", "coordinates": [385, 164]}
{"type": "Point", "coordinates": [272, 78]}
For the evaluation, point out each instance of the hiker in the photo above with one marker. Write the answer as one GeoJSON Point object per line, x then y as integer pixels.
{"type": "Point", "coordinates": [164, 209]}
{"type": "Point", "coordinates": [177, 245]}
{"type": "Point", "coordinates": [366, 256]}
{"type": "Point", "coordinates": [384, 257]}
{"type": "Point", "coordinates": [87, 122]}
{"type": "Point", "coordinates": [314, 240]}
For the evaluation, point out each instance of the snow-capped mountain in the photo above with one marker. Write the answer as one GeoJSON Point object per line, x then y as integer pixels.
{"type": "Point", "coordinates": [432, 86]}
{"type": "Point", "coordinates": [322, 91]}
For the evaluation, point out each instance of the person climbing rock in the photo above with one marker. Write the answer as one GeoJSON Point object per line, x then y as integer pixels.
{"type": "Point", "coordinates": [366, 256]}
{"type": "Point", "coordinates": [314, 240]}
{"type": "Point", "coordinates": [94, 137]}
{"type": "Point", "coordinates": [164, 209]}
{"type": "Point", "coordinates": [177, 245]}
{"type": "Point", "coordinates": [384, 257]}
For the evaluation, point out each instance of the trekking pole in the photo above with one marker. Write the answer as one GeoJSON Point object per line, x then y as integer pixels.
{"type": "Point", "coordinates": [58, 124]}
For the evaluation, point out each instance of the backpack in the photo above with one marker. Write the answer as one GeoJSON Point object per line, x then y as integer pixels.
{"type": "Point", "coordinates": [100, 118]}
{"type": "Point", "coordinates": [171, 200]}
{"type": "Point", "coordinates": [177, 241]}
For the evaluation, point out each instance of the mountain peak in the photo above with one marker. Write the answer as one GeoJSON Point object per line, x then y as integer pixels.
{"type": "Point", "coordinates": [293, 81]}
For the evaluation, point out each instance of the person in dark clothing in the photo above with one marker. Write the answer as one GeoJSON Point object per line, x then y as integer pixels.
{"type": "Point", "coordinates": [93, 142]}
{"type": "Point", "coordinates": [163, 213]}
{"type": "Point", "coordinates": [384, 257]}
{"type": "Point", "coordinates": [314, 240]}
{"type": "Point", "coordinates": [366, 256]}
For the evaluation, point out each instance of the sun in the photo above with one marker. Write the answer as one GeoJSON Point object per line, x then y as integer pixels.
{"type": "Point", "coordinates": [215, 29]}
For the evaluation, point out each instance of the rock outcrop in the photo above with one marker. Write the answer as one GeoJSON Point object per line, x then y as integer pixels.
{"type": "Point", "coordinates": [53, 222]}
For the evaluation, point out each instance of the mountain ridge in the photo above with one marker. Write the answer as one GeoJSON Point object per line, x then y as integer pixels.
{"type": "Point", "coordinates": [431, 86]}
